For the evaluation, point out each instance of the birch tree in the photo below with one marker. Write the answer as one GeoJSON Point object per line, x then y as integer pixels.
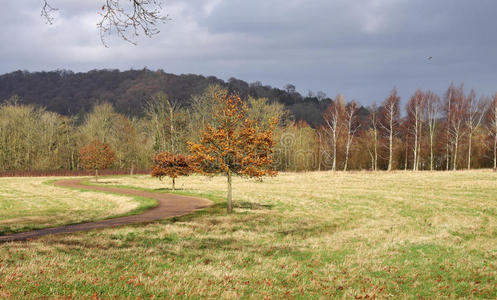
{"type": "Point", "coordinates": [473, 119]}
{"type": "Point", "coordinates": [455, 110]}
{"type": "Point", "coordinates": [492, 127]}
{"type": "Point", "coordinates": [431, 114]}
{"type": "Point", "coordinates": [351, 126]}
{"type": "Point", "coordinates": [333, 119]}
{"type": "Point", "coordinates": [373, 123]}
{"type": "Point", "coordinates": [390, 120]}
{"type": "Point", "coordinates": [415, 124]}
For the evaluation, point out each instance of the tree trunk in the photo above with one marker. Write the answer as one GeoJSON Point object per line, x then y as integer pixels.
{"type": "Point", "coordinates": [495, 152]}
{"type": "Point", "coordinates": [96, 175]}
{"type": "Point", "coordinates": [455, 153]}
{"type": "Point", "coordinates": [174, 183]}
{"type": "Point", "coordinates": [229, 198]}
{"type": "Point", "coordinates": [447, 156]}
{"type": "Point", "coordinates": [419, 154]}
{"type": "Point", "coordinates": [390, 155]}
{"type": "Point", "coordinates": [469, 150]}
{"type": "Point", "coordinates": [375, 150]}
{"type": "Point", "coordinates": [346, 158]}
{"type": "Point", "coordinates": [171, 116]}
{"type": "Point", "coordinates": [415, 159]}
{"type": "Point", "coordinates": [319, 153]}
{"type": "Point", "coordinates": [448, 128]}
{"type": "Point", "coordinates": [431, 152]}
{"type": "Point", "coordinates": [372, 159]}
{"type": "Point", "coordinates": [333, 167]}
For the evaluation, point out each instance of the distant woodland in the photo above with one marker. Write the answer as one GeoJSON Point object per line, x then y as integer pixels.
{"type": "Point", "coordinates": [69, 93]}
{"type": "Point", "coordinates": [47, 117]}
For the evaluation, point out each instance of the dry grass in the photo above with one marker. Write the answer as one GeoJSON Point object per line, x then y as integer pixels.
{"type": "Point", "coordinates": [27, 203]}
{"type": "Point", "coordinates": [312, 235]}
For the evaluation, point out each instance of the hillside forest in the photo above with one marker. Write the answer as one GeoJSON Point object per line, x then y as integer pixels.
{"type": "Point", "coordinates": [47, 117]}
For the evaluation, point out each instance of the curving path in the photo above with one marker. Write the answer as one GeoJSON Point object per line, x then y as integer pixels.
{"type": "Point", "coordinates": [169, 205]}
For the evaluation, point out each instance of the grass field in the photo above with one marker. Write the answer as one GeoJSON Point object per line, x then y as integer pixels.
{"type": "Point", "coordinates": [27, 203]}
{"type": "Point", "coordinates": [310, 235]}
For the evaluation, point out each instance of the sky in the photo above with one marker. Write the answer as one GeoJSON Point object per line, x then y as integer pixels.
{"type": "Point", "coordinates": [360, 48]}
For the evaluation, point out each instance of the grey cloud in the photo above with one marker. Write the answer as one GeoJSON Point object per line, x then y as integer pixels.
{"type": "Point", "coordinates": [359, 48]}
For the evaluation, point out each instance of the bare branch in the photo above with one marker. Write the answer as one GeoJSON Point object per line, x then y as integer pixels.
{"type": "Point", "coordinates": [142, 17]}
{"type": "Point", "coordinates": [47, 12]}
{"type": "Point", "coordinates": [128, 18]}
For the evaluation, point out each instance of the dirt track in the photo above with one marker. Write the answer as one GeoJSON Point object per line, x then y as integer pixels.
{"type": "Point", "coordinates": [169, 205]}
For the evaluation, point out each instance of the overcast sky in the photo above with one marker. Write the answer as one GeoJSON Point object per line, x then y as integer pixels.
{"type": "Point", "coordinates": [361, 48]}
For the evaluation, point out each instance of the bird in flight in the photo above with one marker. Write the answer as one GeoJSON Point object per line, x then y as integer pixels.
{"type": "Point", "coordinates": [429, 58]}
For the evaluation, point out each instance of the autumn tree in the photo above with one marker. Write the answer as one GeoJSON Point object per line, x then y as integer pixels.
{"type": "Point", "coordinates": [172, 166]}
{"type": "Point", "coordinates": [389, 122]}
{"type": "Point", "coordinates": [235, 146]}
{"type": "Point", "coordinates": [96, 156]}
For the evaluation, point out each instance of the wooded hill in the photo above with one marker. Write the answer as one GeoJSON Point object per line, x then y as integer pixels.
{"type": "Point", "coordinates": [70, 93]}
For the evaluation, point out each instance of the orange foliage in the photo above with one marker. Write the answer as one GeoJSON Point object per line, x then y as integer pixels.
{"type": "Point", "coordinates": [236, 145]}
{"type": "Point", "coordinates": [96, 156]}
{"type": "Point", "coordinates": [171, 165]}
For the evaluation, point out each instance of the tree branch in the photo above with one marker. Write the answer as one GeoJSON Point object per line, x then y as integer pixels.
{"type": "Point", "coordinates": [128, 21]}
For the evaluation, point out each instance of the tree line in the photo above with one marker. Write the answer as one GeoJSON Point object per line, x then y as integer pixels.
{"type": "Point", "coordinates": [74, 94]}
{"type": "Point", "coordinates": [457, 130]}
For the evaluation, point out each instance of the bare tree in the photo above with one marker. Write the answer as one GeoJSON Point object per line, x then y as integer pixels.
{"type": "Point", "coordinates": [431, 113]}
{"type": "Point", "coordinates": [351, 126]}
{"type": "Point", "coordinates": [390, 119]}
{"type": "Point", "coordinates": [319, 136]}
{"type": "Point", "coordinates": [162, 113]}
{"type": "Point", "coordinates": [415, 124]}
{"type": "Point", "coordinates": [333, 118]}
{"type": "Point", "coordinates": [128, 18]}
{"type": "Point", "coordinates": [473, 119]}
{"type": "Point", "coordinates": [447, 110]}
{"type": "Point", "coordinates": [373, 119]}
{"type": "Point", "coordinates": [456, 109]}
{"type": "Point", "coordinates": [492, 126]}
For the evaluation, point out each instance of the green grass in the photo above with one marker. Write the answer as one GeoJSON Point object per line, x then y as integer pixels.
{"type": "Point", "coordinates": [310, 235]}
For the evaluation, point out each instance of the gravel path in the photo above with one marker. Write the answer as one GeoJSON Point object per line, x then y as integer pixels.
{"type": "Point", "coordinates": [169, 205]}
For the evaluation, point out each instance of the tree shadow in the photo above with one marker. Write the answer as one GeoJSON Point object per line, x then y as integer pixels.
{"type": "Point", "coordinates": [169, 189]}
{"type": "Point", "coordinates": [252, 205]}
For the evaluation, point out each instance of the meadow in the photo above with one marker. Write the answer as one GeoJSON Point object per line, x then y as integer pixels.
{"type": "Point", "coordinates": [313, 235]}
{"type": "Point", "coordinates": [33, 203]}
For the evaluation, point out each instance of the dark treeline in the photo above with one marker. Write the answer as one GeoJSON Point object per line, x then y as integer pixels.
{"type": "Point", "coordinates": [456, 130]}
{"type": "Point", "coordinates": [69, 93]}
